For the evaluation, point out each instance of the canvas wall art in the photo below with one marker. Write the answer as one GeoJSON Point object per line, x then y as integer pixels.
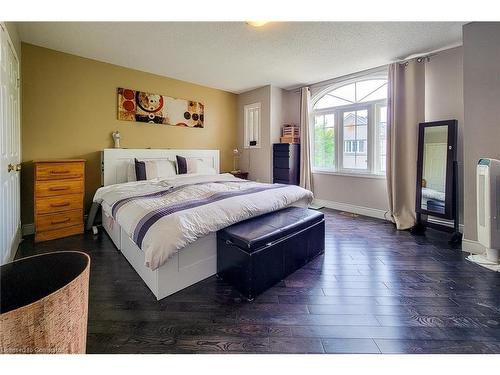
{"type": "Point", "coordinates": [142, 106]}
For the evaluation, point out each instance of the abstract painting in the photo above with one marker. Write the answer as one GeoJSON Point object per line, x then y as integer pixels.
{"type": "Point", "coordinates": [142, 106]}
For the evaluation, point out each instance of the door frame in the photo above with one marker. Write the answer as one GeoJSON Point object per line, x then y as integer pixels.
{"type": "Point", "coordinates": [17, 238]}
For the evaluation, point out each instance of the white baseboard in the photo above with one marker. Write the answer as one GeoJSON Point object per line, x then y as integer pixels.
{"type": "Point", "coordinates": [11, 254]}
{"type": "Point", "coordinates": [365, 211]}
{"type": "Point", "coordinates": [471, 246]}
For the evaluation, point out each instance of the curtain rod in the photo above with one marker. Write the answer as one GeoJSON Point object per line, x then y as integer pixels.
{"type": "Point", "coordinates": [426, 55]}
{"type": "Point", "coordinates": [417, 56]}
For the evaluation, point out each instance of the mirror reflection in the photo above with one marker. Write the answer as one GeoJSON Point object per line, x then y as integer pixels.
{"type": "Point", "coordinates": [434, 169]}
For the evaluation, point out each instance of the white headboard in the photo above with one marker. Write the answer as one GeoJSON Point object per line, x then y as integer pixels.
{"type": "Point", "coordinates": [115, 161]}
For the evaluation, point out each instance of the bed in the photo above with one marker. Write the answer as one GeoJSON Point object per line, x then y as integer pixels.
{"type": "Point", "coordinates": [169, 240]}
{"type": "Point", "coordinates": [433, 200]}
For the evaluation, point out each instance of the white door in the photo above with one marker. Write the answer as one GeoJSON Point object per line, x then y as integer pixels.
{"type": "Point", "coordinates": [10, 150]}
{"type": "Point", "coordinates": [435, 165]}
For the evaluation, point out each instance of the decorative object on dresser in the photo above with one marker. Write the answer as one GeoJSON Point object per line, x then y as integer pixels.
{"type": "Point", "coordinates": [240, 174]}
{"type": "Point", "coordinates": [44, 304]}
{"type": "Point", "coordinates": [286, 167]}
{"type": "Point", "coordinates": [59, 191]}
{"type": "Point", "coordinates": [116, 138]}
{"type": "Point", "coordinates": [290, 134]}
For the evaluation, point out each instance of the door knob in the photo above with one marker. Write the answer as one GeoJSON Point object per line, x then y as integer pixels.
{"type": "Point", "coordinates": [14, 167]}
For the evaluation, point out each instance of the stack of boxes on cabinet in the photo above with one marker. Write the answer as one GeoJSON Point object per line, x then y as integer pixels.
{"type": "Point", "coordinates": [290, 134]}
{"type": "Point", "coordinates": [286, 156]}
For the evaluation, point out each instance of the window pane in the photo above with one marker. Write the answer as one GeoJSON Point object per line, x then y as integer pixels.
{"type": "Point", "coordinates": [366, 88]}
{"type": "Point", "coordinates": [324, 151]}
{"type": "Point", "coordinates": [355, 150]}
{"type": "Point", "coordinates": [355, 127]}
{"type": "Point", "coordinates": [379, 94]}
{"type": "Point", "coordinates": [252, 122]}
{"type": "Point", "coordinates": [328, 101]}
{"type": "Point", "coordinates": [256, 125]}
{"type": "Point", "coordinates": [347, 92]}
{"type": "Point", "coordinates": [381, 138]}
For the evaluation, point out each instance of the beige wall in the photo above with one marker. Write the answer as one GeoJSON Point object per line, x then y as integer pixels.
{"type": "Point", "coordinates": [363, 192]}
{"type": "Point", "coordinates": [444, 100]}
{"type": "Point", "coordinates": [276, 113]}
{"type": "Point", "coordinates": [481, 49]}
{"type": "Point", "coordinates": [291, 107]}
{"type": "Point", "coordinates": [256, 161]}
{"type": "Point", "coordinates": [69, 111]}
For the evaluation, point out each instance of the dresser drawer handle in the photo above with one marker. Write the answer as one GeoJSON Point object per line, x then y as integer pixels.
{"type": "Point", "coordinates": [60, 172]}
{"type": "Point", "coordinates": [62, 204]}
{"type": "Point", "coordinates": [58, 188]}
{"type": "Point", "coordinates": [60, 221]}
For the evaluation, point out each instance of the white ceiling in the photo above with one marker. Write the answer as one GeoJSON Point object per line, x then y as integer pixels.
{"type": "Point", "coordinates": [236, 57]}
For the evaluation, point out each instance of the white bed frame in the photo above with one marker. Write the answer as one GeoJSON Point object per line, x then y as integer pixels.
{"type": "Point", "coordinates": [195, 262]}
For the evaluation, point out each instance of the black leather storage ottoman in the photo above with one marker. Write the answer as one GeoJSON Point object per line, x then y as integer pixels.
{"type": "Point", "coordinates": [255, 254]}
{"type": "Point", "coordinates": [435, 206]}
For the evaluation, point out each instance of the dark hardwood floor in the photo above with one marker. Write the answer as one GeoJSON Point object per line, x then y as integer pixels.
{"type": "Point", "coordinates": [375, 290]}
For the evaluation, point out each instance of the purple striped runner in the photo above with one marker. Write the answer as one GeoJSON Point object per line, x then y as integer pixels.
{"type": "Point", "coordinates": [148, 220]}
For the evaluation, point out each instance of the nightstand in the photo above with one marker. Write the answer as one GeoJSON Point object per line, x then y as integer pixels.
{"type": "Point", "coordinates": [59, 190]}
{"type": "Point", "coordinates": [242, 175]}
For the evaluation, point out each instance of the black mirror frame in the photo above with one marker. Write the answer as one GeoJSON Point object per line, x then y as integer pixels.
{"type": "Point", "coordinates": [450, 188]}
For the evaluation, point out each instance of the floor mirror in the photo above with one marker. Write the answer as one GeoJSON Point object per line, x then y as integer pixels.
{"type": "Point", "coordinates": [437, 187]}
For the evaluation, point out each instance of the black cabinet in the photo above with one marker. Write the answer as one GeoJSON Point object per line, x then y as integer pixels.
{"type": "Point", "coordinates": [286, 163]}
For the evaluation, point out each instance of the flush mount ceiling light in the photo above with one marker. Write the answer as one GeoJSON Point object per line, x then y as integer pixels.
{"type": "Point", "coordinates": [256, 23]}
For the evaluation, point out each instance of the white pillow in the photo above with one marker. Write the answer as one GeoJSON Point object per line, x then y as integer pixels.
{"type": "Point", "coordinates": [131, 172]}
{"type": "Point", "coordinates": [161, 168]}
{"type": "Point", "coordinates": [198, 166]}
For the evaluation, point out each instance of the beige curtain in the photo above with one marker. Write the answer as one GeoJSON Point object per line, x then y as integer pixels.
{"type": "Point", "coordinates": [305, 139]}
{"type": "Point", "coordinates": [405, 110]}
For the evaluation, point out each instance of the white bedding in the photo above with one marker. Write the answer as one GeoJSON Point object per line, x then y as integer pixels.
{"type": "Point", "coordinates": [180, 210]}
{"type": "Point", "coordinates": [433, 194]}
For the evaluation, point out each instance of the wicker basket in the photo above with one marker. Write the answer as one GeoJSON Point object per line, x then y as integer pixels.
{"type": "Point", "coordinates": [44, 304]}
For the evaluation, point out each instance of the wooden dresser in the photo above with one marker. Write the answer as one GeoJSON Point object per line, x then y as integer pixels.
{"type": "Point", "coordinates": [286, 159]}
{"type": "Point", "coordinates": [59, 191]}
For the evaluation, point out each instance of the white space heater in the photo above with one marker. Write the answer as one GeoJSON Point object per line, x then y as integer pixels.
{"type": "Point", "coordinates": [488, 207]}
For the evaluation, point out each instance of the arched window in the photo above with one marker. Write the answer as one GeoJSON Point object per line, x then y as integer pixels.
{"type": "Point", "coordinates": [350, 127]}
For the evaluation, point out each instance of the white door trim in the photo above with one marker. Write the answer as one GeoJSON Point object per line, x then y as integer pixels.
{"type": "Point", "coordinates": [14, 227]}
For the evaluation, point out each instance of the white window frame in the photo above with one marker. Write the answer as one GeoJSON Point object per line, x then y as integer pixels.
{"type": "Point", "coordinates": [252, 129]}
{"type": "Point", "coordinates": [373, 170]}
{"type": "Point", "coordinates": [377, 146]}
{"type": "Point", "coordinates": [340, 148]}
